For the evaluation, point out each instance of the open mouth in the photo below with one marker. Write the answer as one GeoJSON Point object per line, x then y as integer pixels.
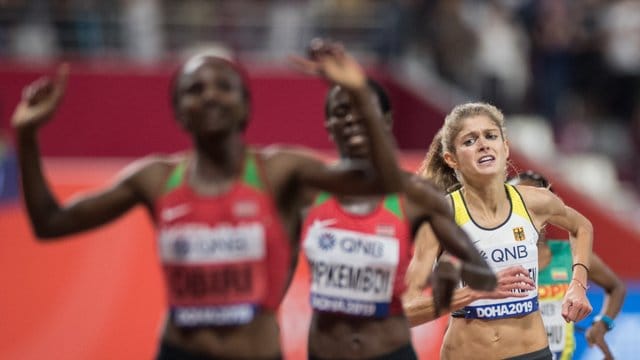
{"type": "Point", "coordinates": [356, 140]}
{"type": "Point", "coordinates": [486, 159]}
{"type": "Point", "coordinates": [213, 111]}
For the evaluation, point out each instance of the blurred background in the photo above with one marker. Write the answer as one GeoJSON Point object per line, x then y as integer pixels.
{"type": "Point", "coordinates": [565, 72]}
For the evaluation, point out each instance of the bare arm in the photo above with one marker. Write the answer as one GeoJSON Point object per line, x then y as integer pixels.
{"type": "Point", "coordinates": [547, 207]}
{"type": "Point", "coordinates": [295, 169]}
{"type": "Point", "coordinates": [420, 308]}
{"type": "Point", "coordinates": [426, 250]}
{"type": "Point", "coordinates": [48, 217]}
{"type": "Point", "coordinates": [614, 287]}
{"type": "Point", "coordinates": [331, 62]}
{"type": "Point", "coordinates": [434, 207]}
{"type": "Point", "coordinates": [615, 291]}
{"type": "Point", "coordinates": [576, 306]}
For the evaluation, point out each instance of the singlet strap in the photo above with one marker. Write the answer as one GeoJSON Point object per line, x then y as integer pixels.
{"type": "Point", "coordinates": [321, 198]}
{"type": "Point", "coordinates": [176, 177]}
{"type": "Point", "coordinates": [251, 174]}
{"type": "Point", "coordinates": [461, 215]}
{"type": "Point", "coordinates": [393, 204]}
{"type": "Point", "coordinates": [517, 204]}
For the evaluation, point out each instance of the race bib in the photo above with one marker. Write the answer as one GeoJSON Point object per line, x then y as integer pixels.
{"type": "Point", "coordinates": [501, 257]}
{"type": "Point", "coordinates": [192, 316]}
{"type": "Point", "coordinates": [352, 273]}
{"type": "Point", "coordinates": [215, 275]}
{"type": "Point", "coordinates": [551, 297]}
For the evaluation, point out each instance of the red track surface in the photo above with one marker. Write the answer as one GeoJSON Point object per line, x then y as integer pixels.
{"type": "Point", "coordinates": [99, 295]}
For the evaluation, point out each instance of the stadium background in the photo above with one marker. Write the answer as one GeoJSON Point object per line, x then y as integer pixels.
{"type": "Point", "coordinates": [99, 295]}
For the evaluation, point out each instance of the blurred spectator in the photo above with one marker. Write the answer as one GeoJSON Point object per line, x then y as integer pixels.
{"type": "Point", "coordinates": [141, 27]}
{"type": "Point", "coordinates": [501, 59]}
{"type": "Point", "coordinates": [553, 31]}
{"type": "Point", "coordinates": [33, 37]}
{"type": "Point", "coordinates": [621, 29]}
{"type": "Point", "coordinates": [453, 43]}
{"type": "Point", "coordinates": [576, 62]}
{"type": "Point", "coordinates": [82, 25]}
{"type": "Point", "coordinates": [390, 38]}
{"type": "Point", "coordinates": [633, 166]}
{"type": "Point", "coordinates": [588, 72]}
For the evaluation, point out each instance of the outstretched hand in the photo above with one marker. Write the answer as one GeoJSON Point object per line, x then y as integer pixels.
{"type": "Point", "coordinates": [330, 61]}
{"type": "Point", "coordinates": [595, 336]}
{"type": "Point", "coordinates": [444, 279]}
{"type": "Point", "coordinates": [39, 100]}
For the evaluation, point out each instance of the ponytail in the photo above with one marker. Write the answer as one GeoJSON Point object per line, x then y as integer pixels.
{"type": "Point", "coordinates": [434, 167]}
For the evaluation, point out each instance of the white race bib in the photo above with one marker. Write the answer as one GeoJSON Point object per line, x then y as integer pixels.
{"type": "Point", "coordinates": [351, 272]}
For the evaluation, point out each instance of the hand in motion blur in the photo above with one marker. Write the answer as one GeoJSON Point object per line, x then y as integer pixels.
{"type": "Point", "coordinates": [332, 62]}
{"type": "Point", "coordinates": [39, 100]}
{"type": "Point", "coordinates": [595, 336]}
{"type": "Point", "coordinates": [444, 279]}
{"type": "Point", "coordinates": [514, 278]}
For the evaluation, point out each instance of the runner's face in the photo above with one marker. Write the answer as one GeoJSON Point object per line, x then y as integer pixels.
{"type": "Point", "coordinates": [344, 124]}
{"type": "Point", "coordinates": [211, 97]}
{"type": "Point", "coordinates": [480, 149]}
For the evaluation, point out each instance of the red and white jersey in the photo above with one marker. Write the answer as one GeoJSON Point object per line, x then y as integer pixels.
{"type": "Point", "coordinates": [225, 256]}
{"type": "Point", "coordinates": [357, 262]}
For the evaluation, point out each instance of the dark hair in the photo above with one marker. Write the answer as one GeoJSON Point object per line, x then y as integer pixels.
{"type": "Point", "coordinates": [173, 84]}
{"type": "Point", "coordinates": [538, 179]}
{"type": "Point", "coordinates": [381, 94]}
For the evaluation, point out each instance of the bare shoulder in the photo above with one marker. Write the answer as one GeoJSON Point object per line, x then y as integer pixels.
{"type": "Point", "coordinates": [540, 201]}
{"type": "Point", "coordinates": [286, 161]}
{"type": "Point", "coordinates": [151, 164]}
{"type": "Point", "coordinates": [288, 153]}
{"type": "Point", "coordinates": [150, 173]}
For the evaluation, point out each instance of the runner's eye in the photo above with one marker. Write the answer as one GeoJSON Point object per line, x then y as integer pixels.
{"type": "Point", "coordinates": [469, 142]}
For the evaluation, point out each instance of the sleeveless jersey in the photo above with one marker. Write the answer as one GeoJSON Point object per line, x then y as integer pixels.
{"type": "Point", "coordinates": [357, 262]}
{"type": "Point", "coordinates": [553, 284]}
{"type": "Point", "coordinates": [514, 242]}
{"type": "Point", "coordinates": [226, 256]}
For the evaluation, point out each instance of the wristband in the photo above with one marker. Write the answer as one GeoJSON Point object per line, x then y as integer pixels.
{"type": "Point", "coordinates": [580, 264]}
{"type": "Point", "coordinates": [607, 321]}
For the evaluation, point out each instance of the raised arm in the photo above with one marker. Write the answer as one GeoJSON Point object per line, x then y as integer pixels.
{"type": "Point", "coordinates": [48, 217]}
{"type": "Point", "coordinates": [615, 292]}
{"type": "Point", "coordinates": [331, 62]}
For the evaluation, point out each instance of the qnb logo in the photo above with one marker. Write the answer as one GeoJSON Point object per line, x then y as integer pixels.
{"type": "Point", "coordinates": [509, 253]}
{"type": "Point", "coordinates": [326, 241]}
{"type": "Point", "coordinates": [483, 254]}
{"type": "Point", "coordinates": [181, 247]}
{"type": "Point", "coordinates": [362, 246]}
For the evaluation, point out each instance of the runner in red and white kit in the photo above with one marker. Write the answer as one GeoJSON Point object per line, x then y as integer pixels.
{"type": "Point", "coordinates": [359, 247]}
{"type": "Point", "coordinates": [227, 215]}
